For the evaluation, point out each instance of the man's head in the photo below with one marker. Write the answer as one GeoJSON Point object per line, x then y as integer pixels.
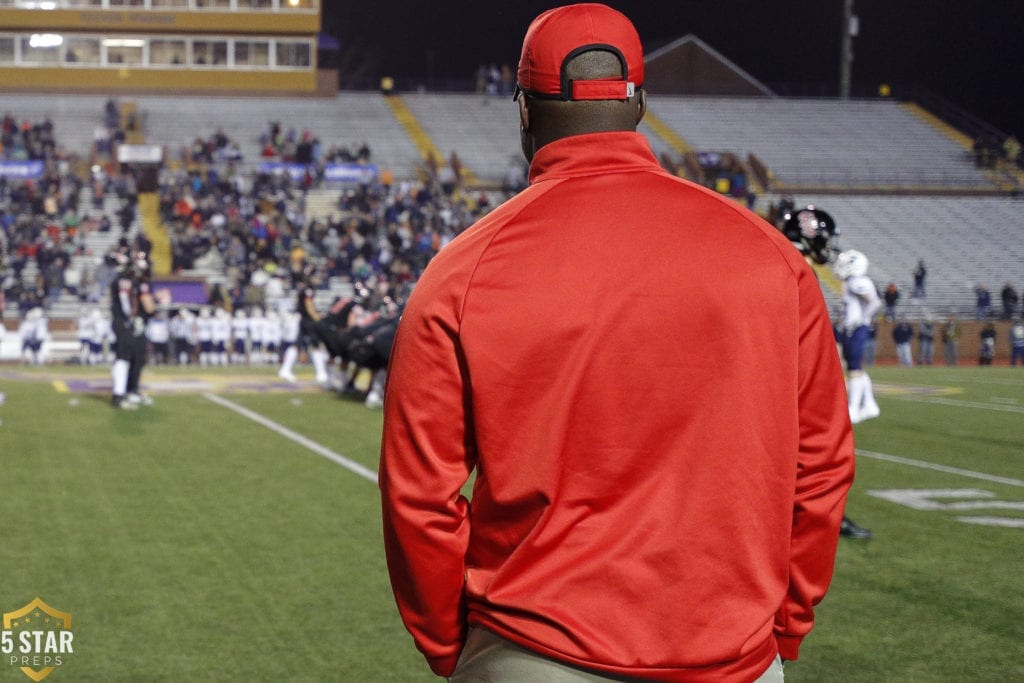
{"type": "Point", "coordinates": [581, 71]}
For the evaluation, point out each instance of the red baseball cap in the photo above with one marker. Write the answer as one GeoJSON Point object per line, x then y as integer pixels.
{"type": "Point", "coordinates": [558, 35]}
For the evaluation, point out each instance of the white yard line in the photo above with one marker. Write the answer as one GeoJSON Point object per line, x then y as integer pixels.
{"type": "Point", "coordinates": [371, 476]}
{"type": "Point", "coordinates": [317, 448]}
{"type": "Point", "coordinates": [1001, 407]}
{"type": "Point", "coordinates": [924, 464]}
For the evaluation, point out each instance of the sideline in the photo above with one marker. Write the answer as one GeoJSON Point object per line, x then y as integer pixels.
{"type": "Point", "coordinates": [924, 464]}
{"type": "Point", "coordinates": [317, 448]}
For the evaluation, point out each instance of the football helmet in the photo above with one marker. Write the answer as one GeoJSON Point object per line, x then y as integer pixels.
{"type": "Point", "coordinates": [850, 263]}
{"type": "Point", "coordinates": [813, 232]}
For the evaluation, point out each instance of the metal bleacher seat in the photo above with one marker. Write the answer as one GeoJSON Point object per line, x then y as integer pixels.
{"type": "Point", "coordinates": [826, 142]}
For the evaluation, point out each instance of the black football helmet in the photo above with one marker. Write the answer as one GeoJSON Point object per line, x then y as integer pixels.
{"type": "Point", "coordinates": [813, 232]}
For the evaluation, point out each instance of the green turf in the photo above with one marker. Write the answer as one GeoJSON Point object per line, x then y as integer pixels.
{"type": "Point", "coordinates": [190, 543]}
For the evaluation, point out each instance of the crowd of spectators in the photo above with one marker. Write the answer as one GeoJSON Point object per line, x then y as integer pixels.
{"type": "Point", "coordinates": [43, 220]}
{"type": "Point", "coordinates": [291, 146]}
{"type": "Point", "coordinates": [39, 221]}
{"type": "Point", "coordinates": [378, 233]}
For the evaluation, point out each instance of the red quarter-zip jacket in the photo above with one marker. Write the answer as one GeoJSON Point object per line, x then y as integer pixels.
{"type": "Point", "coordinates": [644, 376]}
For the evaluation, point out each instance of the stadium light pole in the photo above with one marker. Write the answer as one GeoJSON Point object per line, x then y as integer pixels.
{"type": "Point", "coordinates": [851, 26]}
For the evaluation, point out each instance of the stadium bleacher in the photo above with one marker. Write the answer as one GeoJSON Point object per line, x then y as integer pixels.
{"type": "Point", "coordinates": [868, 162]}
{"type": "Point", "coordinates": [827, 142]}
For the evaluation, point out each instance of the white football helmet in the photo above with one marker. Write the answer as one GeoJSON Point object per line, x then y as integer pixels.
{"type": "Point", "coordinates": [850, 263]}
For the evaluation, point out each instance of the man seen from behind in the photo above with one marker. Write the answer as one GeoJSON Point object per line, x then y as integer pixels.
{"type": "Point", "coordinates": [657, 496]}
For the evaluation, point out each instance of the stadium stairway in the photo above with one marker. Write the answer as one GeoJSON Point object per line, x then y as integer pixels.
{"type": "Point", "coordinates": [419, 136]}
{"type": "Point", "coordinates": [322, 204]}
{"type": "Point", "coordinates": [156, 231]}
{"type": "Point", "coordinates": [674, 140]}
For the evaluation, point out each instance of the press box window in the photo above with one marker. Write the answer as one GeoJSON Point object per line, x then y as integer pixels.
{"type": "Point", "coordinates": [163, 52]}
{"type": "Point", "coordinates": [210, 52]}
{"type": "Point", "coordinates": [124, 50]}
{"type": "Point", "coordinates": [293, 54]}
{"type": "Point", "coordinates": [252, 53]}
{"type": "Point", "coordinates": [41, 48]}
{"type": "Point", "coordinates": [6, 50]}
{"type": "Point", "coordinates": [82, 51]}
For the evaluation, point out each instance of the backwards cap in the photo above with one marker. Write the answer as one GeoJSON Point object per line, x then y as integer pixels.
{"type": "Point", "coordinates": [558, 35]}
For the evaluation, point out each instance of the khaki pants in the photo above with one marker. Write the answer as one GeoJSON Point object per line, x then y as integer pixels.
{"type": "Point", "coordinates": [488, 658]}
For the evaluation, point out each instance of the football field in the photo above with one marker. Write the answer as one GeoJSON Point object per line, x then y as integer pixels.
{"type": "Point", "coordinates": [231, 532]}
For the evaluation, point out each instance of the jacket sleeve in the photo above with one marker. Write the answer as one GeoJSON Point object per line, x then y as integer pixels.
{"type": "Point", "coordinates": [426, 457]}
{"type": "Point", "coordinates": [825, 465]}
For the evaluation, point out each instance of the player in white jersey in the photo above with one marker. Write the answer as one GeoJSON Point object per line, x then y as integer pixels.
{"type": "Point", "coordinates": [158, 333]}
{"type": "Point", "coordinates": [204, 334]}
{"type": "Point", "coordinates": [257, 322]}
{"type": "Point", "coordinates": [290, 324]}
{"type": "Point", "coordinates": [86, 329]}
{"type": "Point", "coordinates": [104, 336]}
{"type": "Point", "coordinates": [221, 336]}
{"type": "Point", "coordinates": [34, 331]}
{"type": "Point", "coordinates": [239, 337]}
{"type": "Point", "coordinates": [272, 333]}
{"type": "Point", "coordinates": [860, 304]}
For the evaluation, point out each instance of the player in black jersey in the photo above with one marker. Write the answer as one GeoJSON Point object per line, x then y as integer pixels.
{"type": "Point", "coordinates": [309, 338]}
{"type": "Point", "coordinates": [131, 305]}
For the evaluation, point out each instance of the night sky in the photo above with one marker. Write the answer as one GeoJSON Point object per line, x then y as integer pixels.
{"type": "Point", "coordinates": [970, 53]}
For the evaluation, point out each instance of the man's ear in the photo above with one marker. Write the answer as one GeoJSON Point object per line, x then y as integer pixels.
{"type": "Point", "coordinates": [641, 108]}
{"type": "Point", "coordinates": [524, 114]}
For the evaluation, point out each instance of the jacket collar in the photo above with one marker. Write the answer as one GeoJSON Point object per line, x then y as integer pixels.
{"type": "Point", "coordinates": [591, 153]}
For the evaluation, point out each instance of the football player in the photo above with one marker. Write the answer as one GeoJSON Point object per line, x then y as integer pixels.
{"type": "Point", "coordinates": [308, 335]}
{"type": "Point", "coordinates": [204, 333]}
{"type": "Point", "coordinates": [221, 335]}
{"type": "Point", "coordinates": [86, 330]}
{"type": "Point", "coordinates": [131, 305]}
{"type": "Point", "coordinates": [272, 336]}
{"type": "Point", "coordinates": [290, 324]}
{"type": "Point", "coordinates": [98, 330]}
{"type": "Point", "coordinates": [814, 232]}
{"type": "Point", "coordinates": [159, 335]}
{"type": "Point", "coordinates": [860, 304]}
{"type": "Point", "coordinates": [372, 348]}
{"type": "Point", "coordinates": [257, 324]}
{"type": "Point", "coordinates": [34, 331]}
{"type": "Point", "coordinates": [239, 337]}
